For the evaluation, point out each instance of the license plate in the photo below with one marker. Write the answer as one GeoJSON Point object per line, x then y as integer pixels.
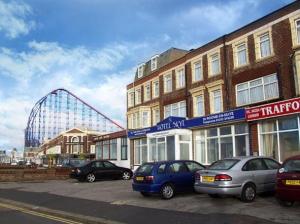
{"type": "Point", "coordinates": [139, 178]}
{"type": "Point", "coordinates": [292, 182]}
{"type": "Point", "coordinates": [208, 179]}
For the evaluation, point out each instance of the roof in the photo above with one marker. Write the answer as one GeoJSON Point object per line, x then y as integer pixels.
{"type": "Point", "coordinates": [163, 59]}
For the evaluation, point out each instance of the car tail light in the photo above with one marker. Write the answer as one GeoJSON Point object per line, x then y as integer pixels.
{"type": "Point", "coordinates": [149, 178]}
{"type": "Point", "coordinates": [197, 177]}
{"type": "Point", "coordinates": [223, 177]}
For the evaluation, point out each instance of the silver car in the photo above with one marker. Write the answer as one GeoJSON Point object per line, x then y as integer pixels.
{"type": "Point", "coordinates": [238, 176]}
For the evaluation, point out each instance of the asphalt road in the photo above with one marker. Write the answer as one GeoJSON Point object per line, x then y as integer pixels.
{"type": "Point", "coordinates": [12, 216]}
{"type": "Point", "coordinates": [123, 213]}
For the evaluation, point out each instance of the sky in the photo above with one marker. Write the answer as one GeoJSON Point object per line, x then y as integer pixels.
{"type": "Point", "coordinates": [92, 47]}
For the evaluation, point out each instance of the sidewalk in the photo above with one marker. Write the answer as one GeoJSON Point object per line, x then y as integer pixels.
{"type": "Point", "coordinates": [121, 213]}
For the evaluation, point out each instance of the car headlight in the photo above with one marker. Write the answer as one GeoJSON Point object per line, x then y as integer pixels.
{"type": "Point", "coordinates": [281, 170]}
{"type": "Point", "coordinates": [78, 171]}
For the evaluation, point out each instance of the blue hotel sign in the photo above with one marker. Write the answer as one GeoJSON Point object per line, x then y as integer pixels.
{"type": "Point", "coordinates": [179, 122]}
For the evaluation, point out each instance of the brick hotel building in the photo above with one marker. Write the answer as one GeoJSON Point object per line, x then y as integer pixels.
{"type": "Point", "coordinates": [236, 95]}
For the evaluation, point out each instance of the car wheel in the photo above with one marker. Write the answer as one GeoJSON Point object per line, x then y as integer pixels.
{"type": "Point", "coordinates": [145, 194]}
{"type": "Point", "coordinates": [285, 203]}
{"type": "Point", "coordinates": [248, 193]}
{"type": "Point", "coordinates": [126, 175]}
{"type": "Point", "coordinates": [90, 177]}
{"type": "Point", "coordinates": [214, 195]}
{"type": "Point", "coordinates": [167, 191]}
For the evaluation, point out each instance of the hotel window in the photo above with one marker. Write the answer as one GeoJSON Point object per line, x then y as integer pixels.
{"type": "Point", "coordinates": [223, 142]}
{"type": "Point", "coordinates": [199, 106]}
{"type": "Point", "coordinates": [154, 62]}
{"type": "Point", "coordinates": [264, 45]}
{"type": "Point", "coordinates": [147, 92]}
{"type": "Point", "coordinates": [155, 89]}
{"type": "Point", "coordinates": [140, 151]}
{"type": "Point", "coordinates": [155, 116]}
{"type": "Point", "coordinates": [264, 88]}
{"type": "Point", "coordinates": [280, 138]}
{"type": "Point", "coordinates": [145, 119]}
{"type": "Point", "coordinates": [176, 109]}
{"type": "Point", "coordinates": [168, 83]}
{"type": "Point", "coordinates": [214, 64]}
{"type": "Point", "coordinates": [198, 75]}
{"type": "Point", "coordinates": [138, 96]}
{"type": "Point", "coordinates": [298, 30]}
{"type": "Point", "coordinates": [216, 101]}
{"type": "Point", "coordinates": [124, 152]}
{"type": "Point", "coordinates": [241, 54]}
{"type": "Point", "coordinates": [130, 99]}
{"type": "Point", "coordinates": [180, 78]}
{"type": "Point", "coordinates": [140, 71]}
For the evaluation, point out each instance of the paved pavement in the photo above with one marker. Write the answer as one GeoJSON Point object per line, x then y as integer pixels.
{"type": "Point", "coordinates": [115, 200]}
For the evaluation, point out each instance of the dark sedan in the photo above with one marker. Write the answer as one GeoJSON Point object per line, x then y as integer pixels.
{"type": "Point", "coordinates": [100, 169]}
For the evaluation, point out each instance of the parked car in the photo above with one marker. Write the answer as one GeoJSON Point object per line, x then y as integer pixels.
{"type": "Point", "coordinates": [288, 181]}
{"type": "Point", "coordinates": [238, 176]}
{"type": "Point", "coordinates": [100, 169]}
{"type": "Point", "coordinates": [70, 163]}
{"type": "Point", "coordinates": [165, 177]}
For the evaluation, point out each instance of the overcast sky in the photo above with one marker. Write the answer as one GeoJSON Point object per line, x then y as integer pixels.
{"type": "Point", "coordinates": [91, 47]}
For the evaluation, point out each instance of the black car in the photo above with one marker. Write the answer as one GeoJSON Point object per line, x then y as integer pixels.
{"type": "Point", "coordinates": [100, 169]}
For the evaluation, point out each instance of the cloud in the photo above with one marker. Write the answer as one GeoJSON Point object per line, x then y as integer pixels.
{"type": "Point", "coordinates": [98, 76]}
{"type": "Point", "coordinates": [14, 19]}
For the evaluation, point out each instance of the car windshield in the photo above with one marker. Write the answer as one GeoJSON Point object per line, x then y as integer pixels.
{"type": "Point", "coordinates": [145, 169]}
{"type": "Point", "coordinates": [292, 166]}
{"type": "Point", "coordinates": [224, 164]}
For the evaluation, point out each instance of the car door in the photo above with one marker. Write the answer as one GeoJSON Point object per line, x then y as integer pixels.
{"type": "Point", "coordinates": [271, 173]}
{"type": "Point", "coordinates": [179, 175]}
{"type": "Point", "coordinates": [256, 172]}
{"type": "Point", "coordinates": [111, 171]}
{"type": "Point", "coordinates": [97, 169]}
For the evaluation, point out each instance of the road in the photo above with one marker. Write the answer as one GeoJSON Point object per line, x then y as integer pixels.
{"type": "Point", "coordinates": [123, 213]}
{"type": "Point", "coordinates": [15, 215]}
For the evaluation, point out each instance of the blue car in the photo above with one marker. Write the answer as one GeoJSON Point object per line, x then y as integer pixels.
{"type": "Point", "coordinates": [165, 177]}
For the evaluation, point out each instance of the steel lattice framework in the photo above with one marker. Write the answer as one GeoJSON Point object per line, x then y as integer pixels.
{"type": "Point", "coordinates": [61, 110]}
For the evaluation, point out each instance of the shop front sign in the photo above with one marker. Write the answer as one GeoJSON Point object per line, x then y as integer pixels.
{"type": "Point", "coordinates": [277, 109]}
{"type": "Point", "coordinates": [182, 123]}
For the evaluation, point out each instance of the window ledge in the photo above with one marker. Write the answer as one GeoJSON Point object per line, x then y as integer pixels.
{"type": "Point", "coordinates": [214, 75]}
{"type": "Point", "coordinates": [241, 66]}
{"type": "Point", "coordinates": [196, 81]}
{"type": "Point", "coordinates": [265, 58]}
{"type": "Point", "coordinates": [178, 88]}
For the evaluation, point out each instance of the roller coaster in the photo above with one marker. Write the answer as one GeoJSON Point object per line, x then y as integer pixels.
{"type": "Point", "coordinates": [60, 110]}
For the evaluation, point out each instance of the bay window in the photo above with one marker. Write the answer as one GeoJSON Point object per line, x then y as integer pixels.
{"type": "Point", "coordinates": [176, 109]}
{"type": "Point", "coordinates": [199, 106]}
{"type": "Point", "coordinates": [261, 89]}
{"type": "Point", "coordinates": [216, 101]}
{"type": "Point", "coordinates": [280, 138]}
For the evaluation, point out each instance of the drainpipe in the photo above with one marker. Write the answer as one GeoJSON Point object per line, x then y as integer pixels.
{"type": "Point", "coordinates": [226, 81]}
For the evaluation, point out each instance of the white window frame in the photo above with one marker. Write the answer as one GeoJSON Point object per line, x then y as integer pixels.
{"type": "Point", "coordinates": [155, 92]}
{"type": "Point", "coordinates": [147, 92]}
{"type": "Point", "coordinates": [130, 98]}
{"type": "Point", "coordinates": [154, 60]}
{"type": "Point", "coordinates": [155, 115]}
{"type": "Point", "coordinates": [140, 70]}
{"type": "Point", "coordinates": [248, 88]}
{"type": "Point", "coordinates": [176, 106]}
{"type": "Point", "coordinates": [262, 41]}
{"type": "Point", "coordinates": [180, 78]}
{"type": "Point", "coordinates": [199, 62]}
{"type": "Point", "coordinates": [145, 119]}
{"type": "Point", "coordinates": [138, 95]}
{"type": "Point", "coordinates": [297, 26]}
{"type": "Point", "coordinates": [213, 58]}
{"type": "Point", "coordinates": [238, 63]}
{"type": "Point", "coordinates": [167, 77]}
{"type": "Point", "coordinates": [233, 135]}
{"type": "Point", "coordinates": [196, 112]}
{"type": "Point", "coordinates": [213, 97]}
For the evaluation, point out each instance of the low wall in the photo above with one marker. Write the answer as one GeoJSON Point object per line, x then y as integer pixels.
{"type": "Point", "coordinates": [32, 174]}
